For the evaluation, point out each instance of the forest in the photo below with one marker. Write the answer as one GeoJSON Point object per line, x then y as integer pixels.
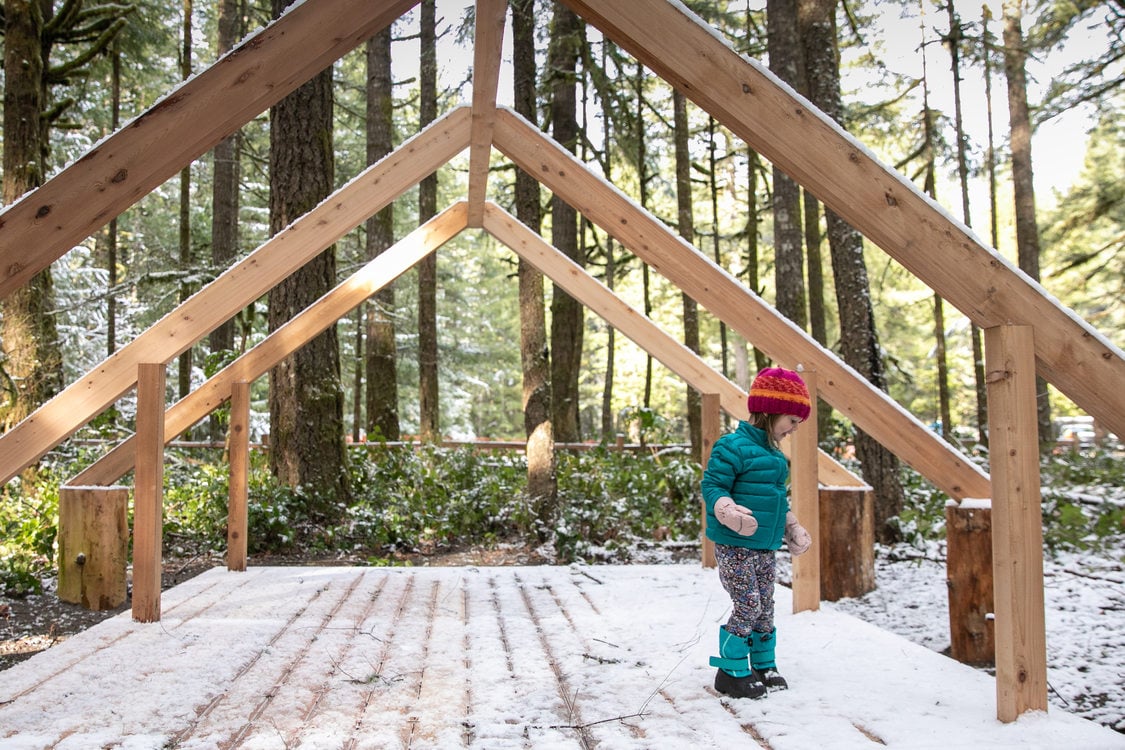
{"type": "Point", "coordinates": [1008, 117]}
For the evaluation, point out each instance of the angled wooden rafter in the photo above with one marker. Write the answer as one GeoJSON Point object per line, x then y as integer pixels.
{"type": "Point", "coordinates": [728, 299]}
{"type": "Point", "coordinates": [240, 285]}
{"type": "Point", "coordinates": [120, 170]}
{"type": "Point", "coordinates": [294, 334]}
{"type": "Point", "coordinates": [595, 296]}
{"type": "Point", "coordinates": [391, 264]}
{"type": "Point", "coordinates": [745, 97]}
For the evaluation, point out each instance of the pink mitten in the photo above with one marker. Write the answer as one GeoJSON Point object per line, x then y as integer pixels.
{"type": "Point", "coordinates": [736, 518]}
{"type": "Point", "coordinates": [796, 536]}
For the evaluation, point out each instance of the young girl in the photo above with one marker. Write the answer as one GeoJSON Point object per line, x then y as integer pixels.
{"type": "Point", "coordinates": [745, 487]}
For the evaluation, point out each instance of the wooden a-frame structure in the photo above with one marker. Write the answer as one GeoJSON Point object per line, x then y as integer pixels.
{"type": "Point", "coordinates": [1026, 329]}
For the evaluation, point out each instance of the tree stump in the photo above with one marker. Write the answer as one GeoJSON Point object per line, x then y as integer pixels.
{"type": "Point", "coordinates": [847, 542]}
{"type": "Point", "coordinates": [968, 529]}
{"type": "Point", "coordinates": [93, 546]}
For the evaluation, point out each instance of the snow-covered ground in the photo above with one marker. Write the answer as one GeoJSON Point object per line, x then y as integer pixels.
{"type": "Point", "coordinates": [1085, 619]}
{"type": "Point", "coordinates": [613, 657]}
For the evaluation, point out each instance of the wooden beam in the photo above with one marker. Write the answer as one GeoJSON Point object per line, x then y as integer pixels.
{"type": "Point", "coordinates": [244, 282]}
{"type": "Point", "coordinates": [1017, 522]}
{"type": "Point", "coordinates": [805, 495]}
{"type": "Point", "coordinates": [579, 284]}
{"type": "Point", "coordinates": [269, 64]}
{"type": "Point", "coordinates": [148, 493]}
{"type": "Point", "coordinates": [714, 288]}
{"type": "Point", "coordinates": [886, 207]}
{"type": "Point", "coordinates": [295, 333]}
{"type": "Point", "coordinates": [238, 450]}
{"type": "Point", "coordinates": [486, 75]}
{"type": "Point", "coordinates": [711, 430]}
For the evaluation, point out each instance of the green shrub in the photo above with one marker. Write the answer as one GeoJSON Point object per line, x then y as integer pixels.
{"type": "Point", "coordinates": [431, 499]}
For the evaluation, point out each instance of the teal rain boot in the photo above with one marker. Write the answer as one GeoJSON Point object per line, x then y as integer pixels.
{"type": "Point", "coordinates": [734, 676]}
{"type": "Point", "coordinates": [762, 659]}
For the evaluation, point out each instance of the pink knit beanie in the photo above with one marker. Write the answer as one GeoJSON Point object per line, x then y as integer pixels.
{"type": "Point", "coordinates": [779, 391]}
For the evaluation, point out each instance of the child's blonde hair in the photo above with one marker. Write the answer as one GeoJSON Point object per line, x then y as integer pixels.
{"type": "Point", "coordinates": [765, 423]}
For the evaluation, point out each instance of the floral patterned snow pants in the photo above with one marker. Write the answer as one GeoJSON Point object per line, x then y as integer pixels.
{"type": "Point", "coordinates": [748, 575]}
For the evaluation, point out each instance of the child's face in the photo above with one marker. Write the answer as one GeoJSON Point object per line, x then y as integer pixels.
{"type": "Point", "coordinates": [784, 425]}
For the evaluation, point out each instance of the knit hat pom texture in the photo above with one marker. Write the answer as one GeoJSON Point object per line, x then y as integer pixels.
{"type": "Point", "coordinates": [779, 391]}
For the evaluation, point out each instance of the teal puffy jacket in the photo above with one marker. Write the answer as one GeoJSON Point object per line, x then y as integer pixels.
{"type": "Point", "coordinates": [744, 466]}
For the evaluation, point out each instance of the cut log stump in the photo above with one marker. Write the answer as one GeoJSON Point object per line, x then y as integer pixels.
{"type": "Point", "coordinates": [847, 542]}
{"type": "Point", "coordinates": [93, 546]}
{"type": "Point", "coordinates": [969, 577]}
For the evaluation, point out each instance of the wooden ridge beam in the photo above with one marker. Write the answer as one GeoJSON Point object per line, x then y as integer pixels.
{"type": "Point", "coordinates": [887, 208]}
{"type": "Point", "coordinates": [241, 284]}
{"type": "Point", "coordinates": [714, 288]}
{"type": "Point", "coordinates": [266, 66]}
{"type": "Point", "coordinates": [486, 75]}
{"type": "Point", "coordinates": [578, 283]}
{"type": "Point", "coordinates": [294, 334]}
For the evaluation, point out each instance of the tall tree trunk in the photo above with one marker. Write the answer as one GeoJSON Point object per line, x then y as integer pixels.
{"type": "Point", "coordinates": [686, 222]}
{"type": "Point", "coordinates": [566, 312]}
{"type": "Point", "coordinates": [609, 423]}
{"type": "Point", "coordinates": [930, 185]}
{"type": "Point", "coordinates": [642, 181]}
{"type": "Point", "coordinates": [306, 399]}
{"type": "Point", "coordinates": [381, 384]}
{"type": "Point", "coordinates": [716, 245]}
{"type": "Point", "coordinates": [1023, 182]}
{"type": "Point", "coordinates": [993, 222]}
{"type": "Point", "coordinates": [225, 194]}
{"type": "Point", "coordinates": [185, 360]}
{"type": "Point", "coordinates": [111, 248]}
{"type": "Point", "coordinates": [818, 317]}
{"type": "Point", "coordinates": [753, 279]}
{"type": "Point", "coordinates": [429, 411]}
{"type": "Point", "coordinates": [789, 257]}
{"type": "Point", "coordinates": [32, 359]}
{"type": "Point", "coordinates": [358, 363]}
{"type": "Point", "coordinates": [954, 43]}
{"type": "Point", "coordinates": [858, 342]}
{"type": "Point", "coordinates": [542, 485]}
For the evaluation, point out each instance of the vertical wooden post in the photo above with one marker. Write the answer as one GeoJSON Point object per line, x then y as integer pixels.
{"type": "Point", "coordinates": [805, 502]}
{"type": "Point", "coordinates": [239, 453]}
{"type": "Point", "coordinates": [1017, 525]}
{"type": "Point", "coordinates": [93, 546]}
{"type": "Point", "coordinates": [711, 426]}
{"type": "Point", "coordinates": [148, 493]}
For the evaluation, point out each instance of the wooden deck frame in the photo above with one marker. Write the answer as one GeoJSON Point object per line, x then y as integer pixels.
{"type": "Point", "coordinates": [393, 263]}
{"type": "Point", "coordinates": [741, 94]}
